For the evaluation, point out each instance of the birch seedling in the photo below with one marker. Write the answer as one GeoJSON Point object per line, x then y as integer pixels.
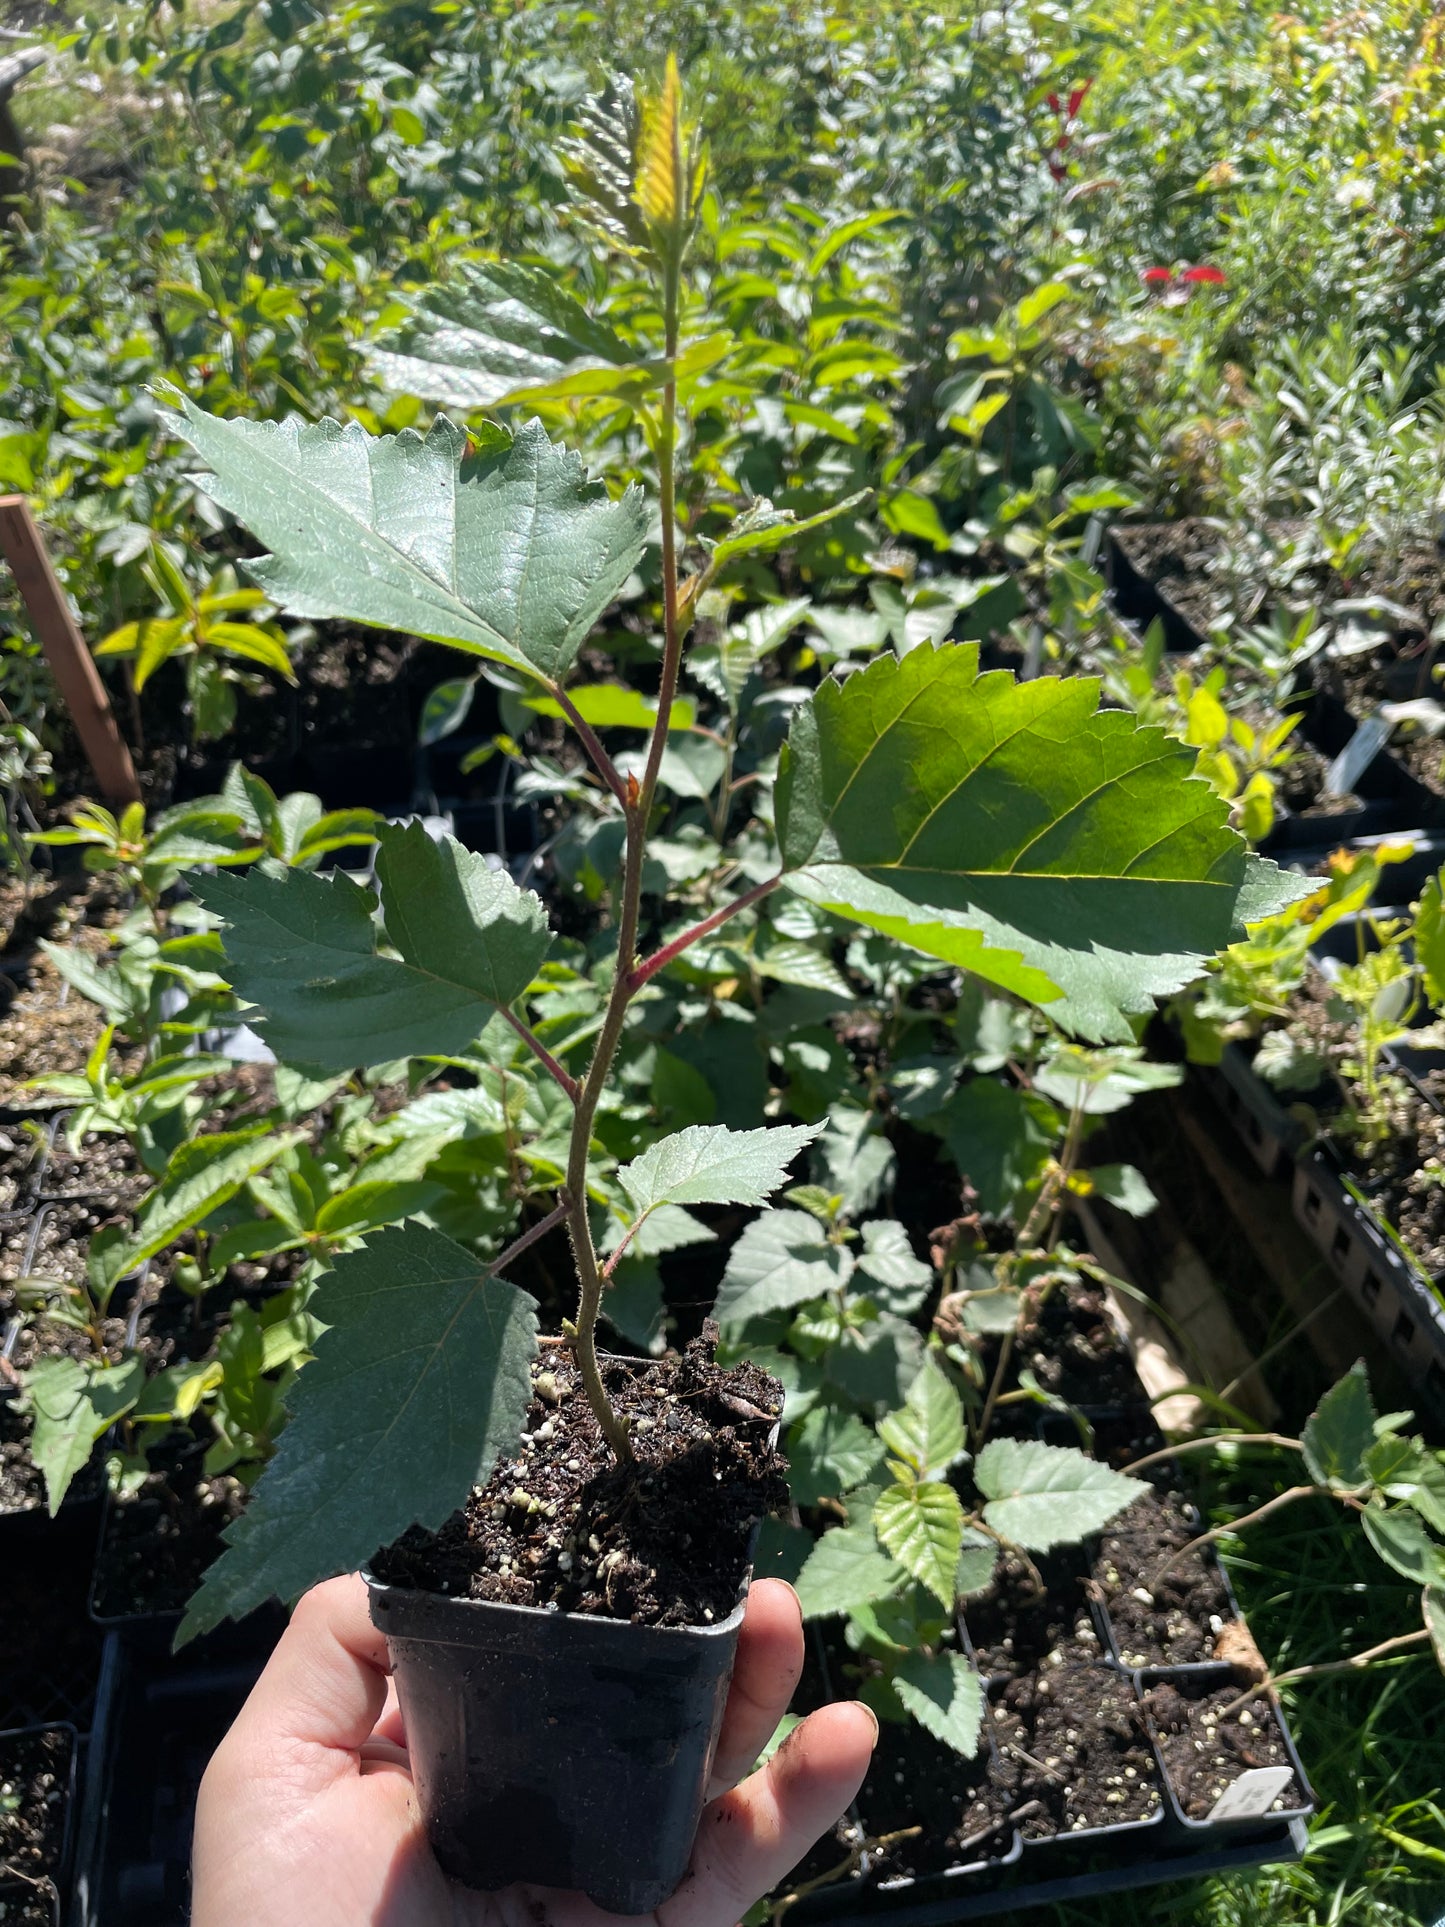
{"type": "Point", "coordinates": [1062, 853]}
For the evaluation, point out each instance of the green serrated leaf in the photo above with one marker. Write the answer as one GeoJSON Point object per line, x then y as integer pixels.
{"type": "Point", "coordinates": [709, 1164]}
{"type": "Point", "coordinates": [200, 1176]}
{"type": "Point", "coordinates": [1406, 1469]}
{"type": "Point", "coordinates": [1043, 1496]}
{"type": "Point", "coordinates": [922, 1526]}
{"type": "Point", "coordinates": [419, 1384]}
{"type": "Point", "coordinates": [782, 1259]}
{"type": "Point", "coordinates": [1017, 831]}
{"type": "Point", "coordinates": [846, 1568]}
{"type": "Point", "coordinates": [976, 1562]}
{"type": "Point", "coordinates": [897, 1280]}
{"type": "Point", "coordinates": [505, 333]}
{"type": "Point", "coordinates": [72, 1403]}
{"type": "Point", "coordinates": [305, 950]}
{"type": "Point", "coordinates": [997, 1135]}
{"type": "Point", "coordinates": [944, 1694]}
{"type": "Point", "coordinates": [828, 1453]}
{"type": "Point", "coordinates": [517, 562]}
{"type": "Point", "coordinates": [1340, 1431]}
{"type": "Point", "coordinates": [928, 1434]}
{"type": "Point", "coordinates": [875, 1365]}
{"type": "Point", "coordinates": [1400, 1538]}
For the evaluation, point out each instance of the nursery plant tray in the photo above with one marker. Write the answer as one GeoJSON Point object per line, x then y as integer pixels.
{"type": "Point", "coordinates": [1403, 1304]}
{"type": "Point", "coordinates": [1272, 1135]}
{"type": "Point", "coordinates": [1013, 1889]}
{"type": "Point", "coordinates": [158, 1720]}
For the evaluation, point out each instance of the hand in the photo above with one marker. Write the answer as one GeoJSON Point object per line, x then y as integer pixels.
{"type": "Point", "coordinates": [307, 1816]}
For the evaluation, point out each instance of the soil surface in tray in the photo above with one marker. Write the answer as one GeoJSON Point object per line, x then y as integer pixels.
{"type": "Point", "coordinates": [1073, 1349]}
{"type": "Point", "coordinates": [664, 1542]}
{"type": "Point", "coordinates": [44, 1026]}
{"type": "Point", "coordinates": [1207, 1740]}
{"type": "Point", "coordinates": [159, 1540]}
{"type": "Point", "coordinates": [1014, 1628]}
{"type": "Point", "coordinates": [1073, 1752]}
{"type": "Point", "coordinates": [1403, 1175]}
{"type": "Point", "coordinates": [942, 1806]}
{"type": "Point", "coordinates": [1178, 558]}
{"type": "Point", "coordinates": [34, 1793]}
{"type": "Point", "coordinates": [1172, 1620]}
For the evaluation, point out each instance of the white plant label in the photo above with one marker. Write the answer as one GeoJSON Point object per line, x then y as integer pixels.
{"type": "Point", "coordinates": [1252, 1794]}
{"type": "Point", "coordinates": [1357, 755]}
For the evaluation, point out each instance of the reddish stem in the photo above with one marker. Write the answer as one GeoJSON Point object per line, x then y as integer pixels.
{"type": "Point", "coordinates": [540, 1051]}
{"type": "Point", "coordinates": [660, 959]}
{"type": "Point", "coordinates": [592, 743]}
{"type": "Point", "coordinates": [538, 1230]}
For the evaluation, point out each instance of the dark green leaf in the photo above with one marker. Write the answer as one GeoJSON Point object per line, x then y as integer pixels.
{"type": "Point", "coordinates": [305, 949]}
{"type": "Point", "coordinates": [418, 1385]}
{"type": "Point", "coordinates": [1340, 1431]}
{"type": "Point", "coordinates": [516, 563]}
{"type": "Point", "coordinates": [1068, 854]}
{"type": "Point", "coordinates": [997, 1135]}
{"type": "Point", "coordinates": [944, 1694]}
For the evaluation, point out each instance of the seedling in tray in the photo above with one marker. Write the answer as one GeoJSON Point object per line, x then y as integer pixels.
{"type": "Point", "coordinates": [1066, 855]}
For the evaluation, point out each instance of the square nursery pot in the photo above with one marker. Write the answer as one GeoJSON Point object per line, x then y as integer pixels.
{"type": "Point", "coordinates": [1140, 600]}
{"type": "Point", "coordinates": [1403, 1304]}
{"type": "Point", "coordinates": [558, 1748]}
{"type": "Point", "coordinates": [1249, 1804]}
{"type": "Point", "coordinates": [37, 1896]}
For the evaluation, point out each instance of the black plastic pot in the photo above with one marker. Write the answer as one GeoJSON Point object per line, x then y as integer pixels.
{"type": "Point", "coordinates": [1206, 1679]}
{"type": "Point", "coordinates": [1142, 601]}
{"type": "Point", "coordinates": [14, 1892]}
{"type": "Point", "coordinates": [555, 1747]}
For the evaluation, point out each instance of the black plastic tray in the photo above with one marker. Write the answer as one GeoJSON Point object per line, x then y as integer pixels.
{"type": "Point", "coordinates": [158, 1720]}
{"type": "Point", "coordinates": [1402, 1303]}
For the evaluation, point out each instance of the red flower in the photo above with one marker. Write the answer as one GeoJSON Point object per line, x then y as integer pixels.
{"type": "Point", "coordinates": [1078, 97]}
{"type": "Point", "coordinates": [1156, 277]}
{"type": "Point", "coordinates": [1054, 105]}
{"type": "Point", "coordinates": [1204, 277]}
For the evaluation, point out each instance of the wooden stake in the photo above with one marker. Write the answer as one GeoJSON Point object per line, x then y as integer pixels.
{"type": "Point", "coordinates": [71, 663]}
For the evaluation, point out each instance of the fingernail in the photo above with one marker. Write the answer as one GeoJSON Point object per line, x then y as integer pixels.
{"type": "Point", "coordinates": [872, 1716]}
{"type": "Point", "coordinates": [794, 1591]}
